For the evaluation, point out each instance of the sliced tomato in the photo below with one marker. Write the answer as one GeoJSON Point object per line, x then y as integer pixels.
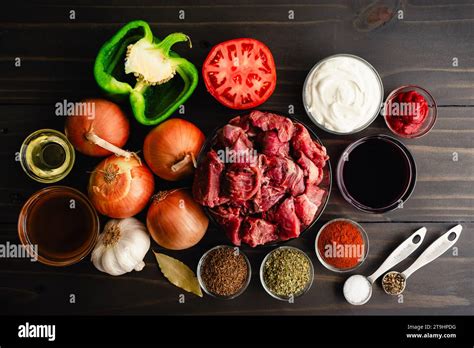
{"type": "Point", "coordinates": [240, 73]}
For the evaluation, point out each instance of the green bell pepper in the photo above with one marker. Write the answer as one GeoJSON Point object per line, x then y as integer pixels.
{"type": "Point", "coordinates": [150, 66]}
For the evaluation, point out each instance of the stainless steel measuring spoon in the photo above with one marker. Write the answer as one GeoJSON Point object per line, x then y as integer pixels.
{"type": "Point", "coordinates": [358, 288]}
{"type": "Point", "coordinates": [435, 250]}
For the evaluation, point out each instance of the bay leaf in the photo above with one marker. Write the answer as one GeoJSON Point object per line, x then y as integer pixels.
{"type": "Point", "coordinates": [178, 273]}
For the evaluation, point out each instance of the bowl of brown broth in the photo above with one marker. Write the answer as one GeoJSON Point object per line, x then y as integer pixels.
{"type": "Point", "coordinates": [58, 226]}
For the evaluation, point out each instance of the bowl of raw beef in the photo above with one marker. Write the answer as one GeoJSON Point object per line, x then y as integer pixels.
{"type": "Point", "coordinates": [263, 178]}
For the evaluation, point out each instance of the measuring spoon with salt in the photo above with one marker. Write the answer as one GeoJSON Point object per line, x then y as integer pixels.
{"type": "Point", "coordinates": [358, 288]}
{"type": "Point", "coordinates": [435, 250]}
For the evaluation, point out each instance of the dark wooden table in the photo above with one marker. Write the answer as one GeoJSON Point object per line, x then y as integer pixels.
{"type": "Point", "coordinates": [428, 43]}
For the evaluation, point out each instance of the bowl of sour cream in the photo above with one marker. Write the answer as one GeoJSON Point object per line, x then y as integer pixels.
{"type": "Point", "coordinates": [343, 94]}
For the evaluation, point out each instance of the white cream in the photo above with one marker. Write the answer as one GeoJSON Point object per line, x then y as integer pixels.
{"type": "Point", "coordinates": [343, 94]}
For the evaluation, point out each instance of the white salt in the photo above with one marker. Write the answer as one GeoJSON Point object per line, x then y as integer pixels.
{"type": "Point", "coordinates": [357, 289]}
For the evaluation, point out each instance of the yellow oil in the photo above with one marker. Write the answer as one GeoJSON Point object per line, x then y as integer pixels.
{"type": "Point", "coordinates": [47, 156]}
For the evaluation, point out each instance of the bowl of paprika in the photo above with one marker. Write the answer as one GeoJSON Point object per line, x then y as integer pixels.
{"type": "Point", "coordinates": [342, 245]}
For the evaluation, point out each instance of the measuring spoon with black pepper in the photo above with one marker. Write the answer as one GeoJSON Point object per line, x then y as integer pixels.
{"type": "Point", "coordinates": [394, 283]}
{"type": "Point", "coordinates": [358, 288]}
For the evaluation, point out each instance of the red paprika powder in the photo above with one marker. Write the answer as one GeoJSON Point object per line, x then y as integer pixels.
{"type": "Point", "coordinates": [341, 245]}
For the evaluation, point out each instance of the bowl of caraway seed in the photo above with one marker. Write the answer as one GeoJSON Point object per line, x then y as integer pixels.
{"type": "Point", "coordinates": [286, 273]}
{"type": "Point", "coordinates": [224, 272]}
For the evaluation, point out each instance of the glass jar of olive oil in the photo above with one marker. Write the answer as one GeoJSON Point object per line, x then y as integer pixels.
{"type": "Point", "coordinates": [47, 156]}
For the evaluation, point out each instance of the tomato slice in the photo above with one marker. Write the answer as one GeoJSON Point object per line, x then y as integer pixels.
{"type": "Point", "coordinates": [240, 73]}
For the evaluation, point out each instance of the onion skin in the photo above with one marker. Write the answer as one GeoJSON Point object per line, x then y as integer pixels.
{"type": "Point", "coordinates": [109, 123]}
{"type": "Point", "coordinates": [175, 221]}
{"type": "Point", "coordinates": [168, 144]}
{"type": "Point", "coordinates": [120, 187]}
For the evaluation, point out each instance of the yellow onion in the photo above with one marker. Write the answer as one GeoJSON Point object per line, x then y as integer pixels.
{"type": "Point", "coordinates": [171, 149]}
{"type": "Point", "coordinates": [101, 133]}
{"type": "Point", "coordinates": [120, 187]}
{"type": "Point", "coordinates": [175, 220]}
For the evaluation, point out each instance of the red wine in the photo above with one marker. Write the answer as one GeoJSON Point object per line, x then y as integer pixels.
{"type": "Point", "coordinates": [376, 172]}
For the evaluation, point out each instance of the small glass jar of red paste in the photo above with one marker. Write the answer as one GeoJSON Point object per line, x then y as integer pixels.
{"type": "Point", "coordinates": [410, 111]}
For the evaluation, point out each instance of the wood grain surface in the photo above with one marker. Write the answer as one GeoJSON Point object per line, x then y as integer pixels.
{"type": "Point", "coordinates": [432, 46]}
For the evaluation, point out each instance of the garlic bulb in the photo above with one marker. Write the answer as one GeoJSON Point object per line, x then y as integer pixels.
{"type": "Point", "coordinates": [121, 247]}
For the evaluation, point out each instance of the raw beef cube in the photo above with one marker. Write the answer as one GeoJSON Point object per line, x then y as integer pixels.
{"type": "Point", "coordinates": [277, 169]}
{"type": "Point", "coordinates": [242, 181]}
{"type": "Point", "coordinates": [303, 142]}
{"type": "Point", "coordinates": [271, 145]}
{"type": "Point", "coordinates": [229, 218]}
{"type": "Point", "coordinates": [207, 181]}
{"type": "Point", "coordinates": [234, 138]}
{"type": "Point", "coordinates": [258, 231]}
{"type": "Point", "coordinates": [286, 220]}
{"type": "Point", "coordinates": [232, 228]}
{"type": "Point", "coordinates": [267, 121]}
{"type": "Point", "coordinates": [244, 123]}
{"type": "Point", "coordinates": [283, 172]}
{"type": "Point", "coordinates": [297, 182]}
{"type": "Point", "coordinates": [266, 198]}
{"type": "Point", "coordinates": [305, 210]}
{"type": "Point", "coordinates": [241, 121]}
{"type": "Point", "coordinates": [313, 174]}
{"type": "Point", "coordinates": [315, 194]}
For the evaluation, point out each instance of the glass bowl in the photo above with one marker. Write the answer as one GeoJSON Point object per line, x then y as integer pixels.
{"type": "Point", "coordinates": [325, 184]}
{"type": "Point", "coordinates": [282, 298]}
{"type": "Point", "coordinates": [27, 155]}
{"type": "Point", "coordinates": [411, 179]}
{"type": "Point", "coordinates": [361, 261]}
{"type": "Point", "coordinates": [369, 120]}
{"type": "Point", "coordinates": [203, 284]}
{"type": "Point", "coordinates": [427, 124]}
{"type": "Point", "coordinates": [35, 251]}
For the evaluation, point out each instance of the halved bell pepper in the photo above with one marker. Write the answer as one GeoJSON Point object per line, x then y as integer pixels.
{"type": "Point", "coordinates": [134, 57]}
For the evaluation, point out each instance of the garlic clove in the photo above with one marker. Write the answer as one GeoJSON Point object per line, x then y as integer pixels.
{"type": "Point", "coordinates": [124, 258]}
{"type": "Point", "coordinates": [140, 266]}
{"type": "Point", "coordinates": [110, 264]}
